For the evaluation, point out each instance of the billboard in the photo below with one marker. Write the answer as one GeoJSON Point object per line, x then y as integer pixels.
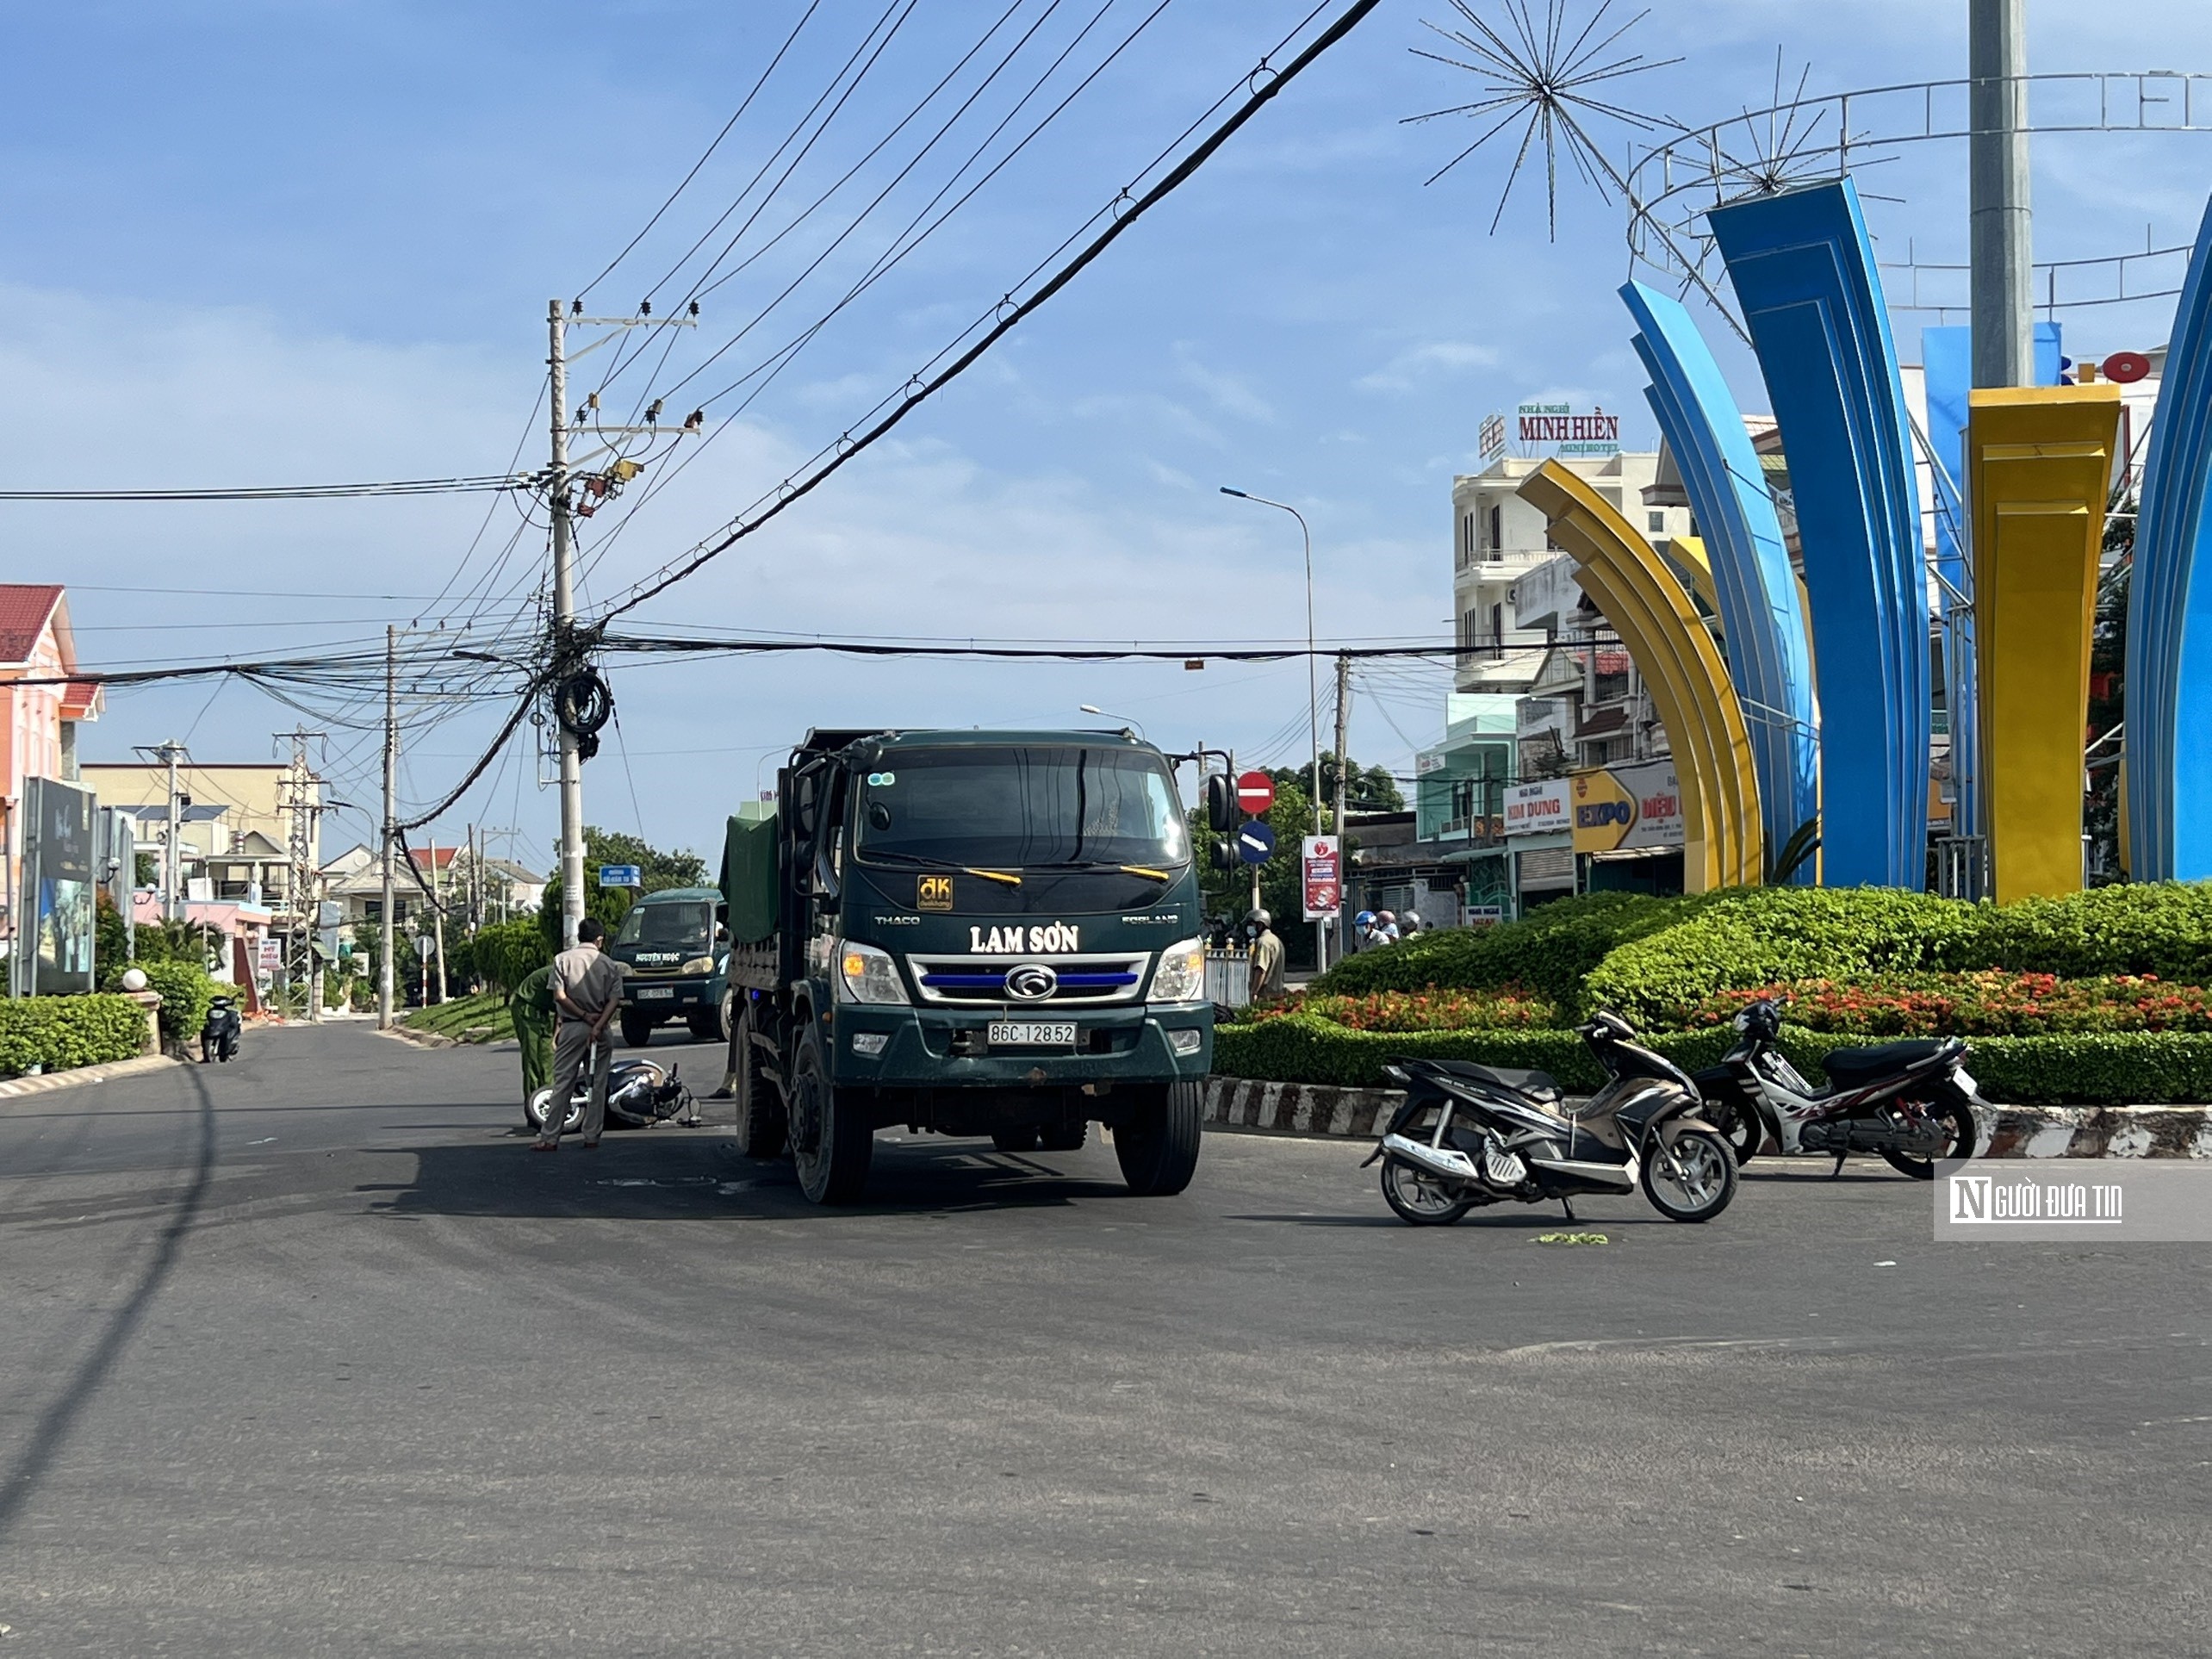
{"type": "Point", "coordinates": [1534, 808]}
{"type": "Point", "coordinates": [1628, 808]}
{"type": "Point", "coordinates": [1324, 877]}
{"type": "Point", "coordinates": [54, 946]}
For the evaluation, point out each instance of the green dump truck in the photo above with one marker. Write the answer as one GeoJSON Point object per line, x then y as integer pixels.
{"type": "Point", "coordinates": [675, 955]}
{"type": "Point", "coordinates": [975, 933]}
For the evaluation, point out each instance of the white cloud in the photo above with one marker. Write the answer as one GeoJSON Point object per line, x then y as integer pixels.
{"type": "Point", "coordinates": [1436, 359]}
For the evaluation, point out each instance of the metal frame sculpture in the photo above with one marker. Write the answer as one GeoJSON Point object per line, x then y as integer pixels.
{"type": "Point", "coordinates": [1649, 608]}
{"type": "Point", "coordinates": [1756, 592]}
{"type": "Point", "coordinates": [2038, 462]}
{"type": "Point", "coordinates": [1804, 273]}
{"type": "Point", "coordinates": [2169, 772]}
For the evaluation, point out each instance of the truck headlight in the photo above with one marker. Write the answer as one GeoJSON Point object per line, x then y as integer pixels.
{"type": "Point", "coordinates": [697, 964]}
{"type": "Point", "coordinates": [869, 975]}
{"type": "Point", "coordinates": [1181, 975]}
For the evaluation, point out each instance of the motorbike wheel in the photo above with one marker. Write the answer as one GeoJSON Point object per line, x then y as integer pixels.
{"type": "Point", "coordinates": [760, 1127]}
{"type": "Point", "coordinates": [1156, 1145]}
{"type": "Point", "coordinates": [1709, 1182]}
{"type": "Point", "coordinates": [1958, 1119]}
{"type": "Point", "coordinates": [535, 1113]}
{"type": "Point", "coordinates": [830, 1140]}
{"type": "Point", "coordinates": [1419, 1197]}
{"type": "Point", "coordinates": [1745, 1131]}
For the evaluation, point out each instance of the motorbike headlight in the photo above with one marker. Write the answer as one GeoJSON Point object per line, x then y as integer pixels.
{"type": "Point", "coordinates": [868, 975]}
{"type": "Point", "coordinates": [697, 964]}
{"type": "Point", "coordinates": [1181, 975]}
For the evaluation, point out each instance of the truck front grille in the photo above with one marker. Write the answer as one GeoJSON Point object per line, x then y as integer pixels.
{"type": "Point", "coordinates": [976, 979]}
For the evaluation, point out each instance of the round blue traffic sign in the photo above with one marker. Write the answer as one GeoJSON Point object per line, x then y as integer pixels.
{"type": "Point", "coordinates": [1255, 843]}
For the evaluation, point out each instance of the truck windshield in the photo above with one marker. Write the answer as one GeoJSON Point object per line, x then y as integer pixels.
{"type": "Point", "coordinates": [1072, 807]}
{"type": "Point", "coordinates": [676, 922]}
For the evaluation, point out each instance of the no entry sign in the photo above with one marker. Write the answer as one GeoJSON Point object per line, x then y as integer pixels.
{"type": "Point", "coordinates": [1255, 792]}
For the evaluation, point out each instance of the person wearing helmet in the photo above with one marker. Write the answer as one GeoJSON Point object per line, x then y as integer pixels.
{"type": "Point", "coordinates": [1409, 924]}
{"type": "Point", "coordinates": [1370, 931]}
{"type": "Point", "coordinates": [1266, 957]}
{"type": "Point", "coordinates": [1387, 925]}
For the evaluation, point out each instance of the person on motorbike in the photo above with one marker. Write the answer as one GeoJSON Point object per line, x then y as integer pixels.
{"type": "Point", "coordinates": [1266, 957]}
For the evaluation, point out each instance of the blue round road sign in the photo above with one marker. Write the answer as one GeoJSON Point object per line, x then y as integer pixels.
{"type": "Point", "coordinates": [1255, 843]}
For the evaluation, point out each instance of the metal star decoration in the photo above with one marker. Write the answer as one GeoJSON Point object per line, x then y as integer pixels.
{"type": "Point", "coordinates": [1539, 76]}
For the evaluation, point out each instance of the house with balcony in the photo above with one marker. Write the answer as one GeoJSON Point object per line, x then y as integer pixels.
{"type": "Point", "coordinates": [40, 709]}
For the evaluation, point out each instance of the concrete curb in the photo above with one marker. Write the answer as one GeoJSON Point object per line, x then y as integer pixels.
{"type": "Point", "coordinates": [1313, 1108]}
{"type": "Point", "coordinates": [47, 1081]}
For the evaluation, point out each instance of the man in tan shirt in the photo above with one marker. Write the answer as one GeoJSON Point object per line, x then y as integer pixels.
{"type": "Point", "coordinates": [1266, 958]}
{"type": "Point", "coordinates": [588, 990]}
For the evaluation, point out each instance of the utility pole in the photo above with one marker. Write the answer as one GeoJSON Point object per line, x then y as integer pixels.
{"type": "Point", "coordinates": [564, 591]}
{"type": "Point", "coordinates": [391, 834]}
{"type": "Point", "coordinates": [169, 755]}
{"type": "Point", "coordinates": [2001, 243]}
{"type": "Point", "coordinates": [1344, 774]}
{"type": "Point", "coordinates": [438, 918]}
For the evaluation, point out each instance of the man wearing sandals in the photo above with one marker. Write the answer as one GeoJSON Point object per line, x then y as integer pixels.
{"type": "Point", "coordinates": [588, 990]}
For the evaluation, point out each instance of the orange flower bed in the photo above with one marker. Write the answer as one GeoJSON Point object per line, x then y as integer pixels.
{"type": "Point", "coordinates": [1986, 1004]}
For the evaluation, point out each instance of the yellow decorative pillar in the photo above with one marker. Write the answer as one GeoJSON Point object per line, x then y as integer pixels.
{"type": "Point", "coordinates": [1645, 601]}
{"type": "Point", "coordinates": [2039, 462]}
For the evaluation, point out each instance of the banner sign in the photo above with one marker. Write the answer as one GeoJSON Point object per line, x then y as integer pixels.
{"type": "Point", "coordinates": [1324, 877]}
{"type": "Point", "coordinates": [1534, 808]}
{"type": "Point", "coordinates": [54, 941]}
{"type": "Point", "coordinates": [1628, 808]}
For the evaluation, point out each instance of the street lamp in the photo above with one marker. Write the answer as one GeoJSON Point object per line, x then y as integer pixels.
{"type": "Point", "coordinates": [1093, 708]}
{"type": "Point", "coordinates": [1312, 691]}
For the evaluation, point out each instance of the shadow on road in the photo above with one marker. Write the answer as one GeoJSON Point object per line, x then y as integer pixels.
{"type": "Point", "coordinates": [649, 1176]}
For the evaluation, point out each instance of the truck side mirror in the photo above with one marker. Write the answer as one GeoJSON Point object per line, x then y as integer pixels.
{"type": "Point", "coordinates": [1220, 803]}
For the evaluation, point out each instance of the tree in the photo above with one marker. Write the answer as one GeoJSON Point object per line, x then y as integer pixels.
{"type": "Point", "coordinates": [660, 870]}
{"type": "Point", "coordinates": [1369, 789]}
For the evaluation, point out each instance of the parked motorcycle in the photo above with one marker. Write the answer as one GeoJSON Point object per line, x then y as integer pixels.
{"type": "Point", "coordinates": [1912, 1102]}
{"type": "Point", "coordinates": [639, 1093]}
{"type": "Point", "coordinates": [219, 1032]}
{"type": "Point", "coordinates": [1470, 1134]}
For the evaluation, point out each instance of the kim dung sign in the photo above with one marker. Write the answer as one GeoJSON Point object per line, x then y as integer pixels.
{"type": "Point", "coordinates": [54, 948]}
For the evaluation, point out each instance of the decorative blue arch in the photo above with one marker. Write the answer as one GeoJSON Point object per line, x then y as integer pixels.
{"type": "Point", "coordinates": [1804, 273]}
{"type": "Point", "coordinates": [1760, 615]}
{"type": "Point", "coordinates": [2168, 611]}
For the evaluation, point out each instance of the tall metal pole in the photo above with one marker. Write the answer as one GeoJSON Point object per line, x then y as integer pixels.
{"type": "Point", "coordinates": [1313, 696]}
{"type": "Point", "coordinates": [172, 866]}
{"type": "Point", "coordinates": [391, 834]}
{"type": "Point", "coordinates": [1344, 772]}
{"type": "Point", "coordinates": [564, 619]}
{"type": "Point", "coordinates": [2002, 245]}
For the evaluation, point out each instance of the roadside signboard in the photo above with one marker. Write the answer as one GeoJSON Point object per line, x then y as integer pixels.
{"type": "Point", "coordinates": [1324, 877]}
{"type": "Point", "coordinates": [1255, 792]}
{"type": "Point", "coordinates": [1485, 915]}
{"type": "Point", "coordinates": [1534, 808]}
{"type": "Point", "coordinates": [621, 875]}
{"type": "Point", "coordinates": [1627, 808]}
{"type": "Point", "coordinates": [1255, 843]}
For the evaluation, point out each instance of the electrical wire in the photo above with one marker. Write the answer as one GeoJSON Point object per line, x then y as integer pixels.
{"type": "Point", "coordinates": [1011, 315]}
{"type": "Point", "coordinates": [276, 491]}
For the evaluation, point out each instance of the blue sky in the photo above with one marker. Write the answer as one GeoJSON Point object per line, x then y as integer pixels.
{"type": "Point", "coordinates": [291, 242]}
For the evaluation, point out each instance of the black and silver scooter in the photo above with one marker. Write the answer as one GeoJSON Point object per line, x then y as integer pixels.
{"type": "Point", "coordinates": [1470, 1134]}
{"type": "Point", "coordinates": [1912, 1102]}
{"type": "Point", "coordinates": [639, 1093]}
{"type": "Point", "coordinates": [219, 1032]}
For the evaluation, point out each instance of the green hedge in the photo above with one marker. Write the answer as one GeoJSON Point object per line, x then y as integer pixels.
{"type": "Point", "coordinates": [2142, 1067]}
{"type": "Point", "coordinates": [185, 991]}
{"type": "Point", "coordinates": [61, 1032]}
{"type": "Point", "coordinates": [1550, 950]}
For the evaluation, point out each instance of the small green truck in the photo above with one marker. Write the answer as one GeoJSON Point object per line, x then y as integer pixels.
{"type": "Point", "coordinates": [677, 961]}
{"type": "Point", "coordinates": [974, 933]}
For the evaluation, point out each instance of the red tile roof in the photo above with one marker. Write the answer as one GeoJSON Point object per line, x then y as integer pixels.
{"type": "Point", "coordinates": [80, 699]}
{"type": "Point", "coordinates": [444, 850]}
{"type": "Point", "coordinates": [24, 608]}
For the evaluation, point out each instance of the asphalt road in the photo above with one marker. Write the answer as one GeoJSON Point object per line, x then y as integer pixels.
{"type": "Point", "coordinates": [308, 1355]}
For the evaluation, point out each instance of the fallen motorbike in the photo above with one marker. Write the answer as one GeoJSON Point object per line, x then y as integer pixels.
{"type": "Point", "coordinates": [639, 1094]}
{"type": "Point", "coordinates": [1911, 1102]}
{"type": "Point", "coordinates": [219, 1032]}
{"type": "Point", "coordinates": [1470, 1134]}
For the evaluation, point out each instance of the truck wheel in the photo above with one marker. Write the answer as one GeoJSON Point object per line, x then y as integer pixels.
{"type": "Point", "coordinates": [1013, 1141]}
{"type": "Point", "coordinates": [760, 1114]}
{"type": "Point", "coordinates": [830, 1140]}
{"type": "Point", "coordinates": [1157, 1145]}
{"type": "Point", "coordinates": [1067, 1138]}
{"type": "Point", "coordinates": [636, 1027]}
{"type": "Point", "coordinates": [706, 1026]}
